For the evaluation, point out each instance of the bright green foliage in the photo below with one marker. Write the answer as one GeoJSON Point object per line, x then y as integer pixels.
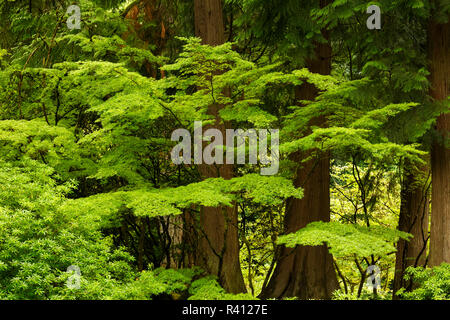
{"type": "Point", "coordinates": [209, 289]}
{"type": "Point", "coordinates": [54, 146]}
{"type": "Point", "coordinates": [39, 242]}
{"type": "Point", "coordinates": [365, 295]}
{"type": "Point", "coordinates": [358, 128]}
{"type": "Point", "coordinates": [226, 78]}
{"type": "Point", "coordinates": [159, 282]}
{"type": "Point", "coordinates": [170, 201]}
{"type": "Point", "coordinates": [433, 283]}
{"type": "Point", "coordinates": [344, 240]}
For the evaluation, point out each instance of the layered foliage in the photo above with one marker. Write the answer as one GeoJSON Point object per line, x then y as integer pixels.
{"type": "Point", "coordinates": [86, 118]}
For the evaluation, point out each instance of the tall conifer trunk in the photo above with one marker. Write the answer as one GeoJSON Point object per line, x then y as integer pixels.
{"type": "Point", "coordinates": [218, 245]}
{"type": "Point", "coordinates": [439, 54]}
{"type": "Point", "coordinates": [414, 219]}
{"type": "Point", "coordinates": [307, 272]}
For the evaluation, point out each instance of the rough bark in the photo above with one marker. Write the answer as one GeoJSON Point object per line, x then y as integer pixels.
{"type": "Point", "coordinates": [209, 26]}
{"type": "Point", "coordinates": [218, 243]}
{"type": "Point", "coordinates": [307, 272]}
{"type": "Point", "coordinates": [439, 54]}
{"type": "Point", "coordinates": [414, 219]}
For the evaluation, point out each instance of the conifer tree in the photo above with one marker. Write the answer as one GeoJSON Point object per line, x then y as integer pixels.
{"type": "Point", "coordinates": [218, 246]}
{"type": "Point", "coordinates": [414, 219]}
{"type": "Point", "coordinates": [439, 55]}
{"type": "Point", "coordinates": [307, 272]}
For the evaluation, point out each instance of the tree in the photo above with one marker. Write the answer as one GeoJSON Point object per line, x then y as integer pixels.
{"type": "Point", "coordinates": [90, 176]}
{"type": "Point", "coordinates": [218, 246]}
{"type": "Point", "coordinates": [414, 219]}
{"type": "Point", "coordinates": [307, 272]}
{"type": "Point", "coordinates": [439, 49]}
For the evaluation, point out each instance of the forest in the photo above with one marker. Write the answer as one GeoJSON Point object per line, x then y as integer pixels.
{"type": "Point", "coordinates": [224, 150]}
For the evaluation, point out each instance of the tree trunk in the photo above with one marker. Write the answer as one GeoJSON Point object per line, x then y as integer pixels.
{"type": "Point", "coordinates": [307, 272]}
{"type": "Point", "coordinates": [439, 53]}
{"type": "Point", "coordinates": [218, 245]}
{"type": "Point", "coordinates": [414, 219]}
{"type": "Point", "coordinates": [140, 14]}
